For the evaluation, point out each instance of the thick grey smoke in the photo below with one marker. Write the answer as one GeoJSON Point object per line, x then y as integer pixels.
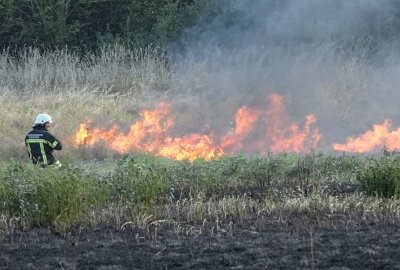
{"type": "Point", "coordinates": [336, 59]}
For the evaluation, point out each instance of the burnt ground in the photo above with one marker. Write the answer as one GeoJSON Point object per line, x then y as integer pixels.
{"type": "Point", "coordinates": [266, 245]}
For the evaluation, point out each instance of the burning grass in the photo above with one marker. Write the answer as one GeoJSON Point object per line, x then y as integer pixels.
{"type": "Point", "coordinates": [268, 128]}
{"type": "Point", "coordinates": [145, 190]}
{"type": "Point", "coordinates": [68, 111]}
{"type": "Point", "coordinates": [110, 103]}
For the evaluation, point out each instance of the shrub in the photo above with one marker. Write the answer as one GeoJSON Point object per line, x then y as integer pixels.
{"type": "Point", "coordinates": [381, 177]}
{"type": "Point", "coordinates": [141, 178]}
{"type": "Point", "coordinates": [332, 167]}
{"type": "Point", "coordinates": [48, 196]}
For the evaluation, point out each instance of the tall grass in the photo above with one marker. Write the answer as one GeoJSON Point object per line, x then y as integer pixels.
{"type": "Point", "coordinates": [115, 69]}
{"type": "Point", "coordinates": [381, 177]}
{"type": "Point", "coordinates": [279, 186]}
{"type": "Point", "coordinates": [68, 110]}
{"type": "Point", "coordinates": [104, 87]}
{"type": "Point", "coordinates": [107, 88]}
{"type": "Point", "coordinates": [48, 197]}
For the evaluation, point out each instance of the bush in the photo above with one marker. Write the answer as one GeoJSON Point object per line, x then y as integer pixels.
{"type": "Point", "coordinates": [62, 197]}
{"type": "Point", "coordinates": [145, 178]}
{"type": "Point", "coordinates": [332, 167]}
{"type": "Point", "coordinates": [381, 177]}
{"type": "Point", "coordinates": [48, 196]}
{"type": "Point", "coordinates": [141, 179]}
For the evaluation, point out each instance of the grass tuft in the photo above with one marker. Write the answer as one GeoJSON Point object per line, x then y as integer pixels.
{"type": "Point", "coordinates": [381, 177]}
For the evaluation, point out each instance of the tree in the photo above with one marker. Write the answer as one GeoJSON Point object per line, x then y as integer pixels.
{"type": "Point", "coordinates": [87, 24]}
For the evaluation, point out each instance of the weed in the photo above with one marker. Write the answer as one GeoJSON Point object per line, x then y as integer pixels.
{"type": "Point", "coordinates": [381, 177]}
{"type": "Point", "coordinates": [141, 178]}
{"type": "Point", "coordinates": [48, 196]}
{"type": "Point", "coordinates": [229, 188]}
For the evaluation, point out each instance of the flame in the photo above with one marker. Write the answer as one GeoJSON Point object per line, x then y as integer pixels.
{"type": "Point", "coordinates": [281, 135]}
{"type": "Point", "coordinates": [245, 121]}
{"type": "Point", "coordinates": [379, 136]}
{"type": "Point", "coordinates": [257, 130]}
{"type": "Point", "coordinates": [150, 135]}
{"type": "Point", "coordinates": [88, 136]}
{"type": "Point", "coordinates": [190, 148]}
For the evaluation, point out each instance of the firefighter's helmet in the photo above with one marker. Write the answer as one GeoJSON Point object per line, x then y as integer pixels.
{"type": "Point", "coordinates": [43, 118]}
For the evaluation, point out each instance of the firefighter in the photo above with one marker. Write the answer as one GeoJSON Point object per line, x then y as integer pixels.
{"type": "Point", "coordinates": [41, 143]}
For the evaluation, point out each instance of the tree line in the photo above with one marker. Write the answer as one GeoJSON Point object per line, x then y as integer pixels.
{"type": "Point", "coordinates": [87, 24]}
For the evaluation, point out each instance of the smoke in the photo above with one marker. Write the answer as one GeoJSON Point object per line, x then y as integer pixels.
{"type": "Point", "coordinates": [336, 59]}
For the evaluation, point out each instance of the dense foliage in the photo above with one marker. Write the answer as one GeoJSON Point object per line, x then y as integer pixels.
{"type": "Point", "coordinates": [381, 177]}
{"type": "Point", "coordinates": [47, 197]}
{"type": "Point", "coordinates": [87, 24]}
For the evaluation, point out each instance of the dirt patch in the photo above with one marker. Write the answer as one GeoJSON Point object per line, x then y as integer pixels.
{"type": "Point", "coordinates": [261, 244]}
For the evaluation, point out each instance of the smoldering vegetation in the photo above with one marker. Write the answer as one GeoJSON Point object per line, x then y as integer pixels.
{"type": "Point", "coordinates": [336, 59]}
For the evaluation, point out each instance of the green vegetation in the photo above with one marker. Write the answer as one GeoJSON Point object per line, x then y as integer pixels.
{"type": "Point", "coordinates": [102, 61]}
{"type": "Point", "coordinates": [85, 25]}
{"type": "Point", "coordinates": [381, 177]}
{"type": "Point", "coordinates": [40, 196]}
{"type": "Point", "coordinates": [142, 185]}
{"type": "Point", "coordinates": [141, 179]}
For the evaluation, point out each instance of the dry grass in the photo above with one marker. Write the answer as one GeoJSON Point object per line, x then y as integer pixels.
{"type": "Point", "coordinates": [319, 210]}
{"type": "Point", "coordinates": [114, 70]}
{"type": "Point", "coordinates": [111, 87]}
{"type": "Point", "coordinates": [106, 88]}
{"type": "Point", "coordinates": [67, 110]}
{"type": "Point", "coordinates": [301, 212]}
{"type": "Point", "coordinates": [140, 193]}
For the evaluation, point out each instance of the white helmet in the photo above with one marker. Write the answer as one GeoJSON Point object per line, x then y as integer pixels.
{"type": "Point", "coordinates": [43, 118]}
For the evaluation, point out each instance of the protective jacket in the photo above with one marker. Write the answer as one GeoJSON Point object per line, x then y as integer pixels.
{"type": "Point", "coordinates": [41, 143]}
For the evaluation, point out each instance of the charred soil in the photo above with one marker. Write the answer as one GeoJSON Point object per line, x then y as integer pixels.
{"type": "Point", "coordinates": [253, 243]}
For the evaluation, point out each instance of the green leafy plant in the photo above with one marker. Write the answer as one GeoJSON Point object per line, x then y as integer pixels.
{"type": "Point", "coordinates": [48, 196]}
{"type": "Point", "coordinates": [381, 177]}
{"type": "Point", "coordinates": [141, 178]}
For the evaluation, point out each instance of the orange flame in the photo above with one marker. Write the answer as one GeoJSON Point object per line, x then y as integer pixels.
{"type": "Point", "coordinates": [245, 120]}
{"type": "Point", "coordinates": [281, 135]}
{"type": "Point", "coordinates": [251, 134]}
{"type": "Point", "coordinates": [150, 135]}
{"type": "Point", "coordinates": [379, 136]}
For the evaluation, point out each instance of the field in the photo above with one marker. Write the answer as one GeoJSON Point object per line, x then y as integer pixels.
{"type": "Point", "coordinates": [107, 210]}
{"type": "Point", "coordinates": [281, 211]}
{"type": "Point", "coordinates": [271, 244]}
